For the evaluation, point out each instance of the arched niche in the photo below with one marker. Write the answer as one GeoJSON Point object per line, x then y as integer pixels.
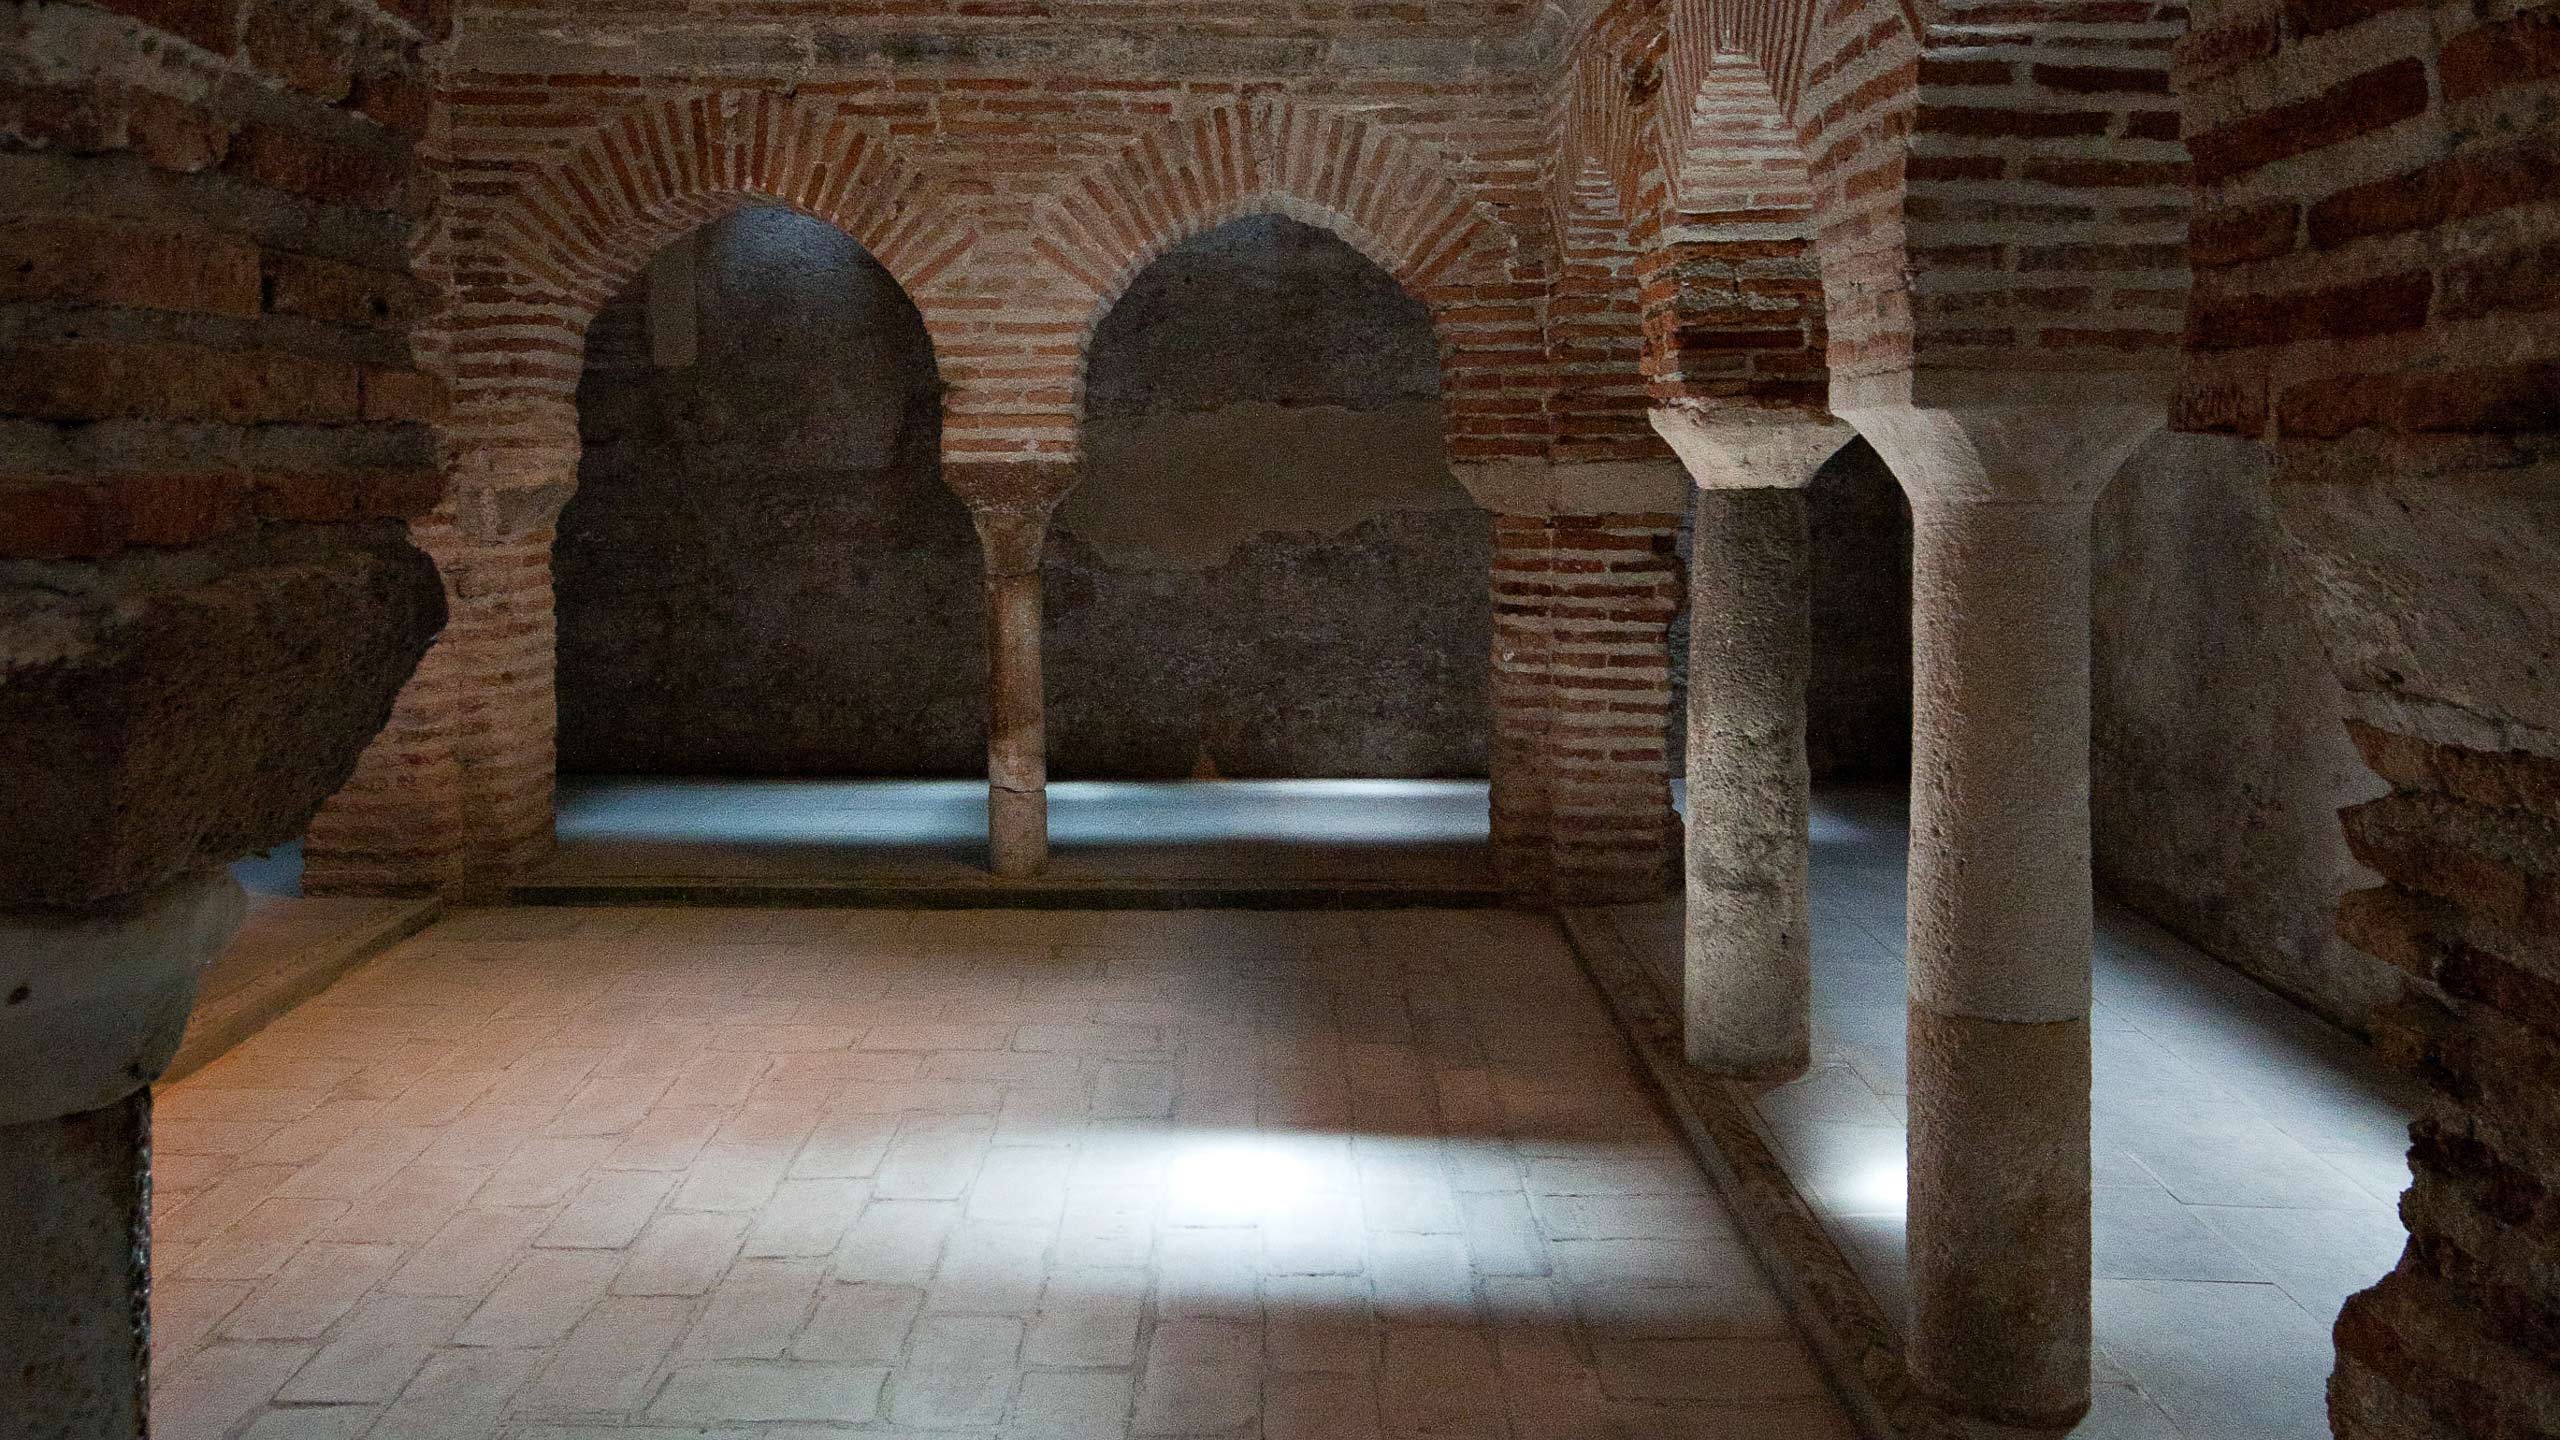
{"type": "Point", "coordinates": [761, 572]}
{"type": "Point", "coordinates": [1266, 570]}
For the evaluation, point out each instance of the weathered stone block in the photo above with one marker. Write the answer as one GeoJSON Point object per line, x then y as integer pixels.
{"type": "Point", "coordinates": [166, 710]}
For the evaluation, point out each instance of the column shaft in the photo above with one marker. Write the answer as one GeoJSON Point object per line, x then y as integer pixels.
{"type": "Point", "coordinates": [2000, 930]}
{"type": "Point", "coordinates": [1017, 728]}
{"type": "Point", "coordinates": [1009, 503]}
{"type": "Point", "coordinates": [75, 1237]}
{"type": "Point", "coordinates": [1749, 963]}
{"type": "Point", "coordinates": [1522, 789]}
{"type": "Point", "coordinates": [96, 1005]}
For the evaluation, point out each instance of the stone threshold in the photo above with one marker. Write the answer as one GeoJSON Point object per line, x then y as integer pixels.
{"type": "Point", "coordinates": [1857, 1348]}
{"type": "Point", "coordinates": [253, 983]}
{"type": "Point", "coordinates": [995, 894]}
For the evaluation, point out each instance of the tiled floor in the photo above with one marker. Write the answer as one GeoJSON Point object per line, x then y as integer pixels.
{"type": "Point", "coordinates": [2248, 1159]}
{"type": "Point", "coordinates": [1401, 832]}
{"type": "Point", "coordinates": [555, 1173]}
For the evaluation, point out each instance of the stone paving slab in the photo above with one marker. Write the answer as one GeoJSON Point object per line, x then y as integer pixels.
{"type": "Point", "coordinates": [556, 1173]}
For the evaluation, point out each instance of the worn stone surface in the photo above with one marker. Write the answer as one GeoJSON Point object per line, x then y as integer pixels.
{"type": "Point", "coordinates": [165, 710]}
{"type": "Point", "coordinates": [97, 1002]}
{"type": "Point", "coordinates": [1749, 968]}
{"type": "Point", "coordinates": [1858, 693]}
{"type": "Point", "coordinates": [1391, 686]}
{"type": "Point", "coordinates": [1267, 570]}
{"type": "Point", "coordinates": [1999, 1229]}
{"type": "Point", "coordinates": [75, 1234]}
{"type": "Point", "coordinates": [2218, 761]}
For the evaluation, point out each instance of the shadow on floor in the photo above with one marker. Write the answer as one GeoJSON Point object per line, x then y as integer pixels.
{"type": "Point", "coordinates": [2248, 1159]}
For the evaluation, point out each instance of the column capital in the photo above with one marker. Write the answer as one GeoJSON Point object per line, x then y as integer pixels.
{"type": "Point", "coordinates": [2013, 454]}
{"type": "Point", "coordinates": [495, 511]}
{"type": "Point", "coordinates": [1024, 485]}
{"type": "Point", "coordinates": [1749, 447]}
{"type": "Point", "coordinates": [92, 1006]}
{"type": "Point", "coordinates": [1010, 502]}
{"type": "Point", "coordinates": [1547, 488]}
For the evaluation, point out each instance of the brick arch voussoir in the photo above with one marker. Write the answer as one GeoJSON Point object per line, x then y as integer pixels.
{"type": "Point", "coordinates": [1387, 196]}
{"type": "Point", "coordinates": [574, 232]}
{"type": "Point", "coordinates": [590, 221]}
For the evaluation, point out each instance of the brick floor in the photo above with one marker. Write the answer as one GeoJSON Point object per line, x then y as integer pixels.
{"type": "Point", "coordinates": [551, 1173]}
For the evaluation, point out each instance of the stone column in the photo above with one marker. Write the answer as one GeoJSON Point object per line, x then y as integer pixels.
{"type": "Point", "coordinates": [1749, 981]}
{"type": "Point", "coordinates": [2000, 911]}
{"type": "Point", "coordinates": [94, 1007]}
{"type": "Point", "coordinates": [1010, 505]}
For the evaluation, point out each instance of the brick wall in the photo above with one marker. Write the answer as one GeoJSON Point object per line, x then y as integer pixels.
{"type": "Point", "coordinates": [2374, 300]}
{"type": "Point", "coordinates": [1582, 609]}
{"type": "Point", "coordinates": [1596, 353]}
{"type": "Point", "coordinates": [1733, 298]}
{"type": "Point", "coordinates": [1011, 193]}
{"type": "Point", "coordinates": [1761, 144]}
{"type": "Point", "coordinates": [206, 249]}
{"type": "Point", "coordinates": [2047, 187]}
{"type": "Point", "coordinates": [217, 411]}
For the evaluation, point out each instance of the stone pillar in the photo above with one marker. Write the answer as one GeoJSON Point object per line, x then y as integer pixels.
{"type": "Point", "coordinates": [1010, 504]}
{"type": "Point", "coordinates": [1585, 586]}
{"type": "Point", "coordinates": [94, 1007]}
{"type": "Point", "coordinates": [2000, 911]}
{"type": "Point", "coordinates": [1749, 981]}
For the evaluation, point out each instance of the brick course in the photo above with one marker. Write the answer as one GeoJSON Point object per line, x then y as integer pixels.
{"type": "Point", "coordinates": [206, 247]}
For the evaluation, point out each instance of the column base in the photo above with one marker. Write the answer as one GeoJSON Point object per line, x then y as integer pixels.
{"type": "Point", "coordinates": [1999, 1228]}
{"type": "Point", "coordinates": [1018, 832]}
{"type": "Point", "coordinates": [1749, 1007]}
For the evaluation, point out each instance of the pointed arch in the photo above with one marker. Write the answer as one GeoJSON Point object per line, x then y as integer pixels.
{"type": "Point", "coordinates": [1780, 128]}
{"type": "Point", "coordinates": [1705, 37]}
{"type": "Point", "coordinates": [1733, 151]}
{"type": "Point", "coordinates": [1595, 330]}
{"type": "Point", "coordinates": [591, 219]}
{"type": "Point", "coordinates": [1387, 195]}
{"type": "Point", "coordinates": [574, 230]}
{"type": "Point", "coordinates": [1605, 133]}
{"type": "Point", "coordinates": [530, 272]}
{"type": "Point", "coordinates": [1384, 193]}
